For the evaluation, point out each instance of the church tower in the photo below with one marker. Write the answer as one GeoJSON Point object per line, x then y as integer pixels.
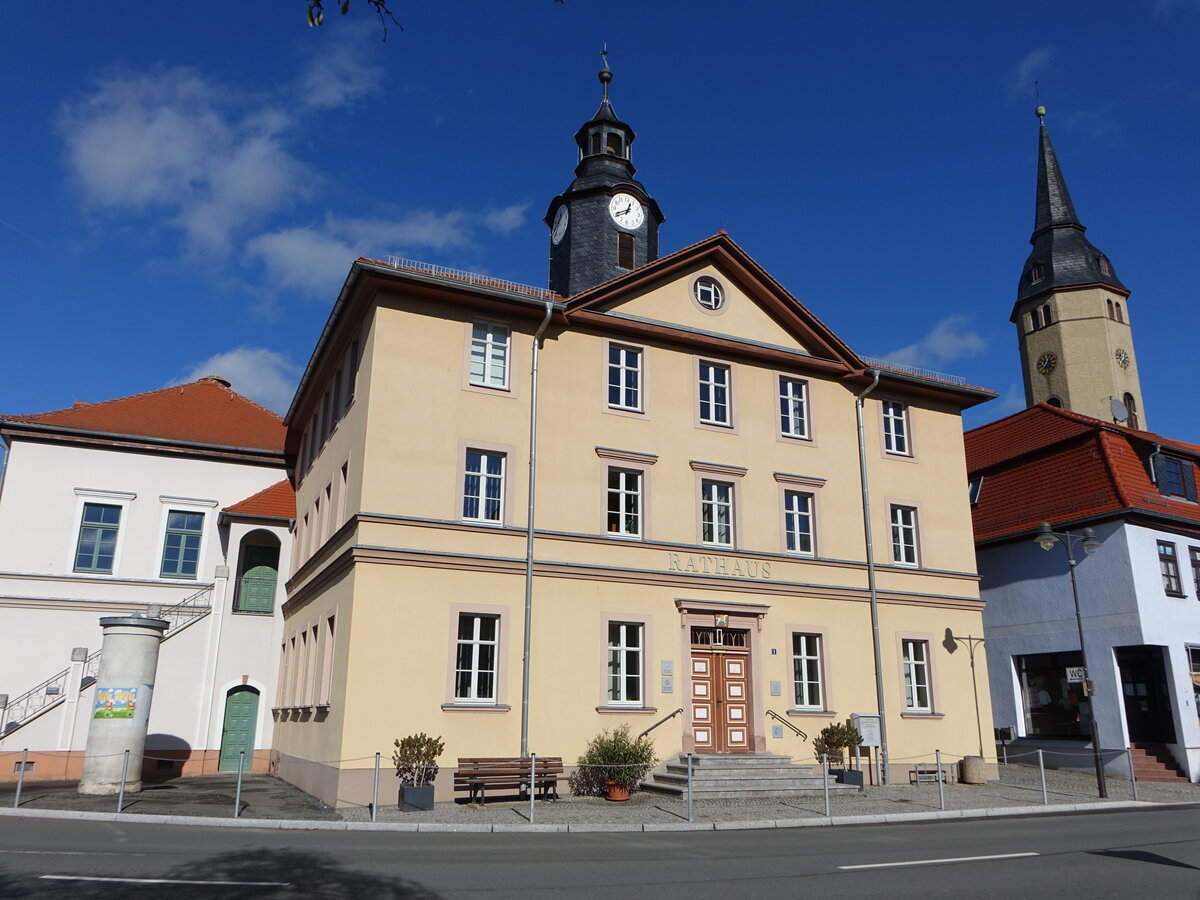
{"type": "Point", "coordinates": [1071, 313]}
{"type": "Point", "coordinates": [605, 223]}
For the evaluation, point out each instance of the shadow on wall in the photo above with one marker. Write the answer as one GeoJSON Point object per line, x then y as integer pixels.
{"type": "Point", "coordinates": [260, 874]}
{"type": "Point", "coordinates": [165, 756]}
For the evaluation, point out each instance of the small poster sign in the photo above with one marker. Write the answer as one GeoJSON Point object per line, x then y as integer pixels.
{"type": "Point", "coordinates": [115, 703]}
{"type": "Point", "coordinates": [1075, 673]}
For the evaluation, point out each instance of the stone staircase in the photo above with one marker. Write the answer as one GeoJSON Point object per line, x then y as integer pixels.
{"type": "Point", "coordinates": [1153, 762]}
{"type": "Point", "coordinates": [736, 775]}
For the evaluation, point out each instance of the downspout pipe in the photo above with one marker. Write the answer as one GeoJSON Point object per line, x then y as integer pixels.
{"type": "Point", "coordinates": [880, 700]}
{"type": "Point", "coordinates": [533, 410]}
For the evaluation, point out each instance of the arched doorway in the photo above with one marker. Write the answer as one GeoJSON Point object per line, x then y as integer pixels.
{"type": "Point", "coordinates": [241, 720]}
{"type": "Point", "coordinates": [258, 573]}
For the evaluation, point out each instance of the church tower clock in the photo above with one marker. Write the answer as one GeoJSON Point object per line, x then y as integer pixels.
{"type": "Point", "coordinates": [604, 223]}
{"type": "Point", "coordinates": [1071, 313]}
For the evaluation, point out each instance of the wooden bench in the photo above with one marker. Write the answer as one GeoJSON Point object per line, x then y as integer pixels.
{"type": "Point", "coordinates": [927, 773]}
{"type": "Point", "coordinates": [477, 774]}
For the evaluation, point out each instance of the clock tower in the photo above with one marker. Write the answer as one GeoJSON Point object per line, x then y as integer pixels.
{"type": "Point", "coordinates": [1072, 314]}
{"type": "Point", "coordinates": [604, 223]}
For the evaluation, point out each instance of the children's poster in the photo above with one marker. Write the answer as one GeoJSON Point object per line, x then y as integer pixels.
{"type": "Point", "coordinates": [115, 703]}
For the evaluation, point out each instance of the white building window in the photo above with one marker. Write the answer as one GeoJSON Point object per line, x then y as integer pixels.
{"type": "Point", "coordinates": [489, 354]}
{"type": "Point", "coordinates": [714, 394]}
{"type": "Point", "coordinates": [904, 535]}
{"type": "Point", "coordinates": [916, 675]}
{"type": "Point", "coordinates": [806, 671]}
{"type": "Point", "coordinates": [895, 427]}
{"type": "Point", "coordinates": [181, 545]}
{"type": "Point", "coordinates": [798, 521]}
{"type": "Point", "coordinates": [716, 512]}
{"type": "Point", "coordinates": [475, 664]}
{"type": "Point", "coordinates": [625, 669]}
{"type": "Point", "coordinates": [97, 545]}
{"type": "Point", "coordinates": [483, 487]}
{"type": "Point", "coordinates": [624, 502]}
{"type": "Point", "coordinates": [793, 407]}
{"type": "Point", "coordinates": [624, 377]}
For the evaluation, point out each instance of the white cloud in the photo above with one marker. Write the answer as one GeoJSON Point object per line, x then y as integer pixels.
{"type": "Point", "coordinates": [263, 375]}
{"type": "Point", "coordinates": [1013, 400]}
{"type": "Point", "coordinates": [949, 340]}
{"type": "Point", "coordinates": [507, 219]}
{"type": "Point", "coordinates": [340, 74]}
{"type": "Point", "coordinates": [1018, 83]}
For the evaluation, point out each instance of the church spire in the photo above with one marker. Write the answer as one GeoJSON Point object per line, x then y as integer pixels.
{"type": "Point", "coordinates": [1054, 206]}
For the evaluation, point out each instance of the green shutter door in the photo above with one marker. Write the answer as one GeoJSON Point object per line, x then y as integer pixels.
{"type": "Point", "coordinates": [241, 715]}
{"type": "Point", "coordinates": [256, 592]}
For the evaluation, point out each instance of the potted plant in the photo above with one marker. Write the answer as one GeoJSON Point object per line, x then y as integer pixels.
{"type": "Point", "coordinates": [416, 759]}
{"type": "Point", "coordinates": [833, 739]}
{"type": "Point", "coordinates": [613, 764]}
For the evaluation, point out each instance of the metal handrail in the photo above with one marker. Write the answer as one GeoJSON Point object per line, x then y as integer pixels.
{"type": "Point", "coordinates": [775, 715]}
{"type": "Point", "coordinates": [906, 369]}
{"type": "Point", "coordinates": [660, 721]}
{"type": "Point", "coordinates": [461, 275]}
{"type": "Point", "coordinates": [188, 609]}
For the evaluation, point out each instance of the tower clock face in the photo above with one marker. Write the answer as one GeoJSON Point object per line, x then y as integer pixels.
{"type": "Point", "coordinates": [1122, 358]}
{"type": "Point", "coordinates": [626, 211]}
{"type": "Point", "coordinates": [559, 228]}
{"type": "Point", "coordinates": [1047, 363]}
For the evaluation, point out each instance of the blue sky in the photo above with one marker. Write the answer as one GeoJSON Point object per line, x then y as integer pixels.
{"type": "Point", "coordinates": [186, 185]}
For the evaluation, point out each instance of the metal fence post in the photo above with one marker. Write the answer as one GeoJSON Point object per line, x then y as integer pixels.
{"type": "Point", "coordinates": [1042, 769]}
{"type": "Point", "coordinates": [1004, 749]}
{"type": "Point", "coordinates": [375, 791]}
{"type": "Point", "coordinates": [937, 755]}
{"type": "Point", "coordinates": [532, 784]}
{"type": "Point", "coordinates": [689, 762]}
{"type": "Point", "coordinates": [21, 778]}
{"type": "Point", "coordinates": [237, 798]}
{"type": "Point", "coordinates": [825, 780]}
{"type": "Point", "coordinates": [124, 773]}
{"type": "Point", "coordinates": [1132, 774]}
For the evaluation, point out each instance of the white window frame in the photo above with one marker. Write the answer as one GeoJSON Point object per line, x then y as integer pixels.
{"type": "Point", "coordinates": [481, 498]}
{"type": "Point", "coordinates": [630, 360]}
{"type": "Point", "coordinates": [711, 505]}
{"type": "Point", "coordinates": [793, 517]}
{"type": "Point", "coordinates": [622, 493]}
{"type": "Point", "coordinates": [812, 658]}
{"type": "Point", "coordinates": [101, 498]}
{"type": "Point", "coordinates": [617, 662]}
{"type": "Point", "coordinates": [793, 408]}
{"type": "Point", "coordinates": [916, 675]}
{"type": "Point", "coordinates": [720, 412]}
{"type": "Point", "coordinates": [494, 353]}
{"type": "Point", "coordinates": [905, 549]}
{"type": "Point", "coordinates": [474, 645]}
{"type": "Point", "coordinates": [897, 435]}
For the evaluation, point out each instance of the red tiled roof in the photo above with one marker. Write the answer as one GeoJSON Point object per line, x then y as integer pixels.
{"type": "Point", "coordinates": [1049, 464]}
{"type": "Point", "coordinates": [276, 502]}
{"type": "Point", "coordinates": [202, 412]}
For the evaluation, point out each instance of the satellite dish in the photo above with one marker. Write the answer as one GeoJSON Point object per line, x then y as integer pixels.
{"type": "Point", "coordinates": [1119, 412]}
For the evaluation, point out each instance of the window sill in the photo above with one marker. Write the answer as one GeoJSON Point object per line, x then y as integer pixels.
{"type": "Point", "coordinates": [1177, 594]}
{"type": "Point", "coordinates": [922, 715]}
{"type": "Point", "coordinates": [630, 710]}
{"type": "Point", "coordinates": [476, 707]}
{"type": "Point", "coordinates": [253, 612]}
{"type": "Point", "coordinates": [812, 713]}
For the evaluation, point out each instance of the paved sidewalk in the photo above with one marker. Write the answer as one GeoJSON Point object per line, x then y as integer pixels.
{"type": "Point", "coordinates": [269, 802]}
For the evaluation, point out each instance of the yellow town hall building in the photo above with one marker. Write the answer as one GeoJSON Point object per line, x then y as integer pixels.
{"type": "Point", "coordinates": [698, 540]}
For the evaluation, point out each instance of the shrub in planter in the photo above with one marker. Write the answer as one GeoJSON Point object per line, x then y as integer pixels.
{"type": "Point", "coordinates": [613, 764]}
{"type": "Point", "coordinates": [836, 737]}
{"type": "Point", "coordinates": [416, 759]}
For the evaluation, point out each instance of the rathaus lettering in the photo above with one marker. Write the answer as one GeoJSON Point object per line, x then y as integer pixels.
{"type": "Point", "coordinates": [719, 565]}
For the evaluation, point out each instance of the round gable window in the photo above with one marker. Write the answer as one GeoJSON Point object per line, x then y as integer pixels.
{"type": "Point", "coordinates": [708, 293]}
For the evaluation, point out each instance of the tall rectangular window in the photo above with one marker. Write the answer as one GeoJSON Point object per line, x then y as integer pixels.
{"type": "Point", "coordinates": [475, 664]}
{"type": "Point", "coordinates": [1194, 553]}
{"type": "Point", "coordinates": [716, 512]}
{"type": "Point", "coordinates": [483, 487]}
{"type": "Point", "coordinates": [625, 254]}
{"type": "Point", "coordinates": [489, 354]}
{"type": "Point", "coordinates": [904, 535]}
{"type": "Point", "coordinates": [625, 502]}
{"type": "Point", "coordinates": [97, 544]}
{"type": "Point", "coordinates": [798, 521]}
{"type": "Point", "coordinates": [1175, 477]}
{"type": "Point", "coordinates": [916, 676]}
{"type": "Point", "coordinates": [181, 547]}
{"type": "Point", "coordinates": [624, 377]}
{"type": "Point", "coordinates": [1194, 655]}
{"type": "Point", "coordinates": [714, 394]}
{"type": "Point", "coordinates": [793, 407]}
{"type": "Point", "coordinates": [895, 427]}
{"type": "Point", "coordinates": [625, 669]}
{"type": "Point", "coordinates": [1170, 568]}
{"type": "Point", "coordinates": [806, 670]}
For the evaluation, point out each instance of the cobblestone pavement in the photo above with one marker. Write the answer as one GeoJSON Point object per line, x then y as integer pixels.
{"type": "Point", "coordinates": [264, 797]}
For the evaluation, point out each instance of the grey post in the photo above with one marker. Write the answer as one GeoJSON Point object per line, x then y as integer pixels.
{"type": "Point", "coordinates": [124, 773]}
{"type": "Point", "coordinates": [937, 755]}
{"type": "Point", "coordinates": [1004, 750]}
{"type": "Point", "coordinates": [532, 783]}
{"type": "Point", "coordinates": [21, 778]}
{"type": "Point", "coordinates": [689, 761]}
{"type": "Point", "coordinates": [1042, 769]}
{"type": "Point", "coordinates": [237, 798]}
{"type": "Point", "coordinates": [375, 791]}
{"type": "Point", "coordinates": [1132, 774]}
{"type": "Point", "coordinates": [825, 780]}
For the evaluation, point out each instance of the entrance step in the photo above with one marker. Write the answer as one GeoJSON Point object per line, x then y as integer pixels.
{"type": "Point", "coordinates": [729, 776]}
{"type": "Point", "coordinates": [1154, 762]}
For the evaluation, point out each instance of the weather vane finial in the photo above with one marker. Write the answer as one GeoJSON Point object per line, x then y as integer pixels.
{"type": "Point", "coordinates": [1040, 112]}
{"type": "Point", "coordinates": [605, 71]}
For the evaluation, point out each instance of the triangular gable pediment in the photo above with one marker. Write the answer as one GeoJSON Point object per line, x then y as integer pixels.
{"type": "Point", "coordinates": [758, 314]}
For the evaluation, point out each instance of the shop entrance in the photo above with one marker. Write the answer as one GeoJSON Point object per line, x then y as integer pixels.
{"type": "Point", "coordinates": [1146, 694]}
{"type": "Point", "coordinates": [720, 660]}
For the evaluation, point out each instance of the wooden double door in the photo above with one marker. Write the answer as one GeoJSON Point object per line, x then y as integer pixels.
{"type": "Point", "coordinates": [721, 700]}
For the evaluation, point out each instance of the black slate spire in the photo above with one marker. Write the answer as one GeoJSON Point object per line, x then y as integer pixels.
{"type": "Point", "coordinates": [1061, 256]}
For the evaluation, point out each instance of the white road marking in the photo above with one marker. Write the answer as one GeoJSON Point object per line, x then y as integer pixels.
{"type": "Point", "coordinates": [934, 862]}
{"type": "Point", "coordinates": [70, 853]}
{"type": "Point", "coordinates": [164, 881]}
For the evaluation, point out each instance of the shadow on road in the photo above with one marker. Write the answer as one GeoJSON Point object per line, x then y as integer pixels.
{"type": "Point", "coordinates": [244, 874]}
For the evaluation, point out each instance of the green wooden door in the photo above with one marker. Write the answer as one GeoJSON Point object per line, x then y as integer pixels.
{"type": "Point", "coordinates": [256, 591]}
{"type": "Point", "coordinates": [241, 715]}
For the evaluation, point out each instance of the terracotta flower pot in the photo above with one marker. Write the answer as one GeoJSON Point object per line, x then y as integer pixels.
{"type": "Point", "coordinates": [618, 791]}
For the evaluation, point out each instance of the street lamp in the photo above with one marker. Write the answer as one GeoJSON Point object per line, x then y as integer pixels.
{"type": "Point", "coordinates": [951, 644]}
{"type": "Point", "coordinates": [1046, 539]}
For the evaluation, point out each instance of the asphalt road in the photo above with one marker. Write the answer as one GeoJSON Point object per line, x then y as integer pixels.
{"type": "Point", "coordinates": [1140, 853]}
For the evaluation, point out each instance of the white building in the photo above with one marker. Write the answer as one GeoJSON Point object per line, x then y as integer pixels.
{"type": "Point", "coordinates": [174, 500]}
